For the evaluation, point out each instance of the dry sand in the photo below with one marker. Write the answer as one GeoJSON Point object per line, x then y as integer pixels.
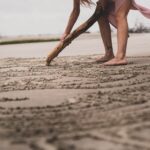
{"type": "Point", "coordinates": [74, 104]}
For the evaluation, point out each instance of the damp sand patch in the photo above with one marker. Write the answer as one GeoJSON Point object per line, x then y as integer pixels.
{"type": "Point", "coordinates": [40, 98]}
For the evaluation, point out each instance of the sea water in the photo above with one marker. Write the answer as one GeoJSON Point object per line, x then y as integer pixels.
{"type": "Point", "coordinates": [32, 17]}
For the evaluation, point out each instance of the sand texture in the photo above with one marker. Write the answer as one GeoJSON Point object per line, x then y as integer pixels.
{"type": "Point", "coordinates": [74, 104]}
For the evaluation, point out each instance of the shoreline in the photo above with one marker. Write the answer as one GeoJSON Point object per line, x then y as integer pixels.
{"type": "Point", "coordinates": [28, 39]}
{"type": "Point", "coordinates": [8, 40]}
{"type": "Point", "coordinates": [86, 44]}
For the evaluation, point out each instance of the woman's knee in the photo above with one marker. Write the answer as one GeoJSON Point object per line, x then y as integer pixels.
{"type": "Point", "coordinates": [120, 17]}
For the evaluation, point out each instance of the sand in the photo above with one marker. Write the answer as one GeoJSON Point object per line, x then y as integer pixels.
{"type": "Point", "coordinates": [74, 104]}
{"type": "Point", "coordinates": [86, 44]}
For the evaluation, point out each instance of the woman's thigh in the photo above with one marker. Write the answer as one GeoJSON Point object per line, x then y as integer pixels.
{"type": "Point", "coordinates": [124, 9]}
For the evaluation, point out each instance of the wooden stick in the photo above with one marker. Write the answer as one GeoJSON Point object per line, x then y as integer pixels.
{"type": "Point", "coordinates": [81, 29]}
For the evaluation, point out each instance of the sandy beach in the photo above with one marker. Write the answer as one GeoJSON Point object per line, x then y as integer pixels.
{"type": "Point", "coordinates": [75, 103]}
{"type": "Point", "coordinates": [86, 44]}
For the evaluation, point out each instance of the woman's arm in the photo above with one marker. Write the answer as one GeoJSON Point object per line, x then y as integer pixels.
{"type": "Point", "coordinates": [73, 18]}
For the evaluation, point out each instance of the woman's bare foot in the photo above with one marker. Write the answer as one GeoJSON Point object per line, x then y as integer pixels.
{"type": "Point", "coordinates": [116, 62]}
{"type": "Point", "coordinates": [104, 58]}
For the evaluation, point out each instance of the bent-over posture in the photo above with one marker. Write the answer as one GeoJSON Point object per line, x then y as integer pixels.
{"type": "Point", "coordinates": [116, 12]}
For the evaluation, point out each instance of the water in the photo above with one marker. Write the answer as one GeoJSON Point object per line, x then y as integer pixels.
{"type": "Point", "coordinates": [27, 17]}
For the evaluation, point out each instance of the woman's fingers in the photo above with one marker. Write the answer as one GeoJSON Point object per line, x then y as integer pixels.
{"type": "Point", "coordinates": [63, 37]}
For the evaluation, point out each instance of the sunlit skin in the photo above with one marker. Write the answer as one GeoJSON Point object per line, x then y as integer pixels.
{"type": "Point", "coordinates": [122, 32]}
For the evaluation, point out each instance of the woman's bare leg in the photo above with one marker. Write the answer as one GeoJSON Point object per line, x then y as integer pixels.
{"type": "Point", "coordinates": [122, 35]}
{"type": "Point", "coordinates": [106, 37]}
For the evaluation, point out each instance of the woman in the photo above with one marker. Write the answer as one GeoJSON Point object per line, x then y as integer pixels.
{"type": "Point", "coordinates": [116, 12]}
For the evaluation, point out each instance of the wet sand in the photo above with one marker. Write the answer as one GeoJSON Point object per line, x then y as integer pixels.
{"type": "Point", "coordinates": [74, 104]}
{"type": "Point", "coordinates": [86, 44]}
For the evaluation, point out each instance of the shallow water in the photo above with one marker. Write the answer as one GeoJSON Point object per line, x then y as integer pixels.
{"type": "Point", "coordinates": [87, 44]}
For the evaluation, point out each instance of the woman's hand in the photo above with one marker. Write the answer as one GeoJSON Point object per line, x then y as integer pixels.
{"type": "Point", "coordinates": [64, 36]}
{"type": "Point", "coordinates": [72, 19]}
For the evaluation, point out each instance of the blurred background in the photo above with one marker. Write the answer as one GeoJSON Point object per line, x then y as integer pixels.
{"type": "Point", "coordinates": [34, 17]}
